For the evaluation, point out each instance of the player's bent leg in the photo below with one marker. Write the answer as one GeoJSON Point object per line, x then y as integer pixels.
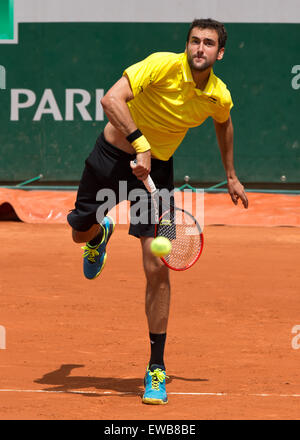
{"type": "Point", "coordinates": [85, 236]}
{"type": "Point", "coordinates": [95, 255]}
{"type": "Point", "coordinates": [157, 306]}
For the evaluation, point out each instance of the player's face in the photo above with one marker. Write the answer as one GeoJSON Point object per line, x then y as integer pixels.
{"type": "Point", "coordinates": [203, 49]}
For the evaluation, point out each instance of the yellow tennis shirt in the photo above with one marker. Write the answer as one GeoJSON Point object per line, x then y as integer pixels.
{"type": "Point", "coordinates": [167, 103]}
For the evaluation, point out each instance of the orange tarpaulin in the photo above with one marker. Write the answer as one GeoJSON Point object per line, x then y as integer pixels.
{"type": "Point", "coordinates": [264, 209]}
{"type": "Point", "coordinates": [39, 206]}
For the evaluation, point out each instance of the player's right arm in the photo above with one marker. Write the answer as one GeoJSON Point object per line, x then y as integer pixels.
{"type": "Point", "coordinates": [114, 104]}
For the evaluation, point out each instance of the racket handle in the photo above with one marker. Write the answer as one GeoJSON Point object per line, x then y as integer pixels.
{"type": "Point", "coordinates": [149, 184]}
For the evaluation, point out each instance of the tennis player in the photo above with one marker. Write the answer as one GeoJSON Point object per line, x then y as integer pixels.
{"type": "Point", "coordinates": [150, 109]}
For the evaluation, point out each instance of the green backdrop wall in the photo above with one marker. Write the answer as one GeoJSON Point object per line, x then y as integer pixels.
{"type": "Point", "coordinates": [260, 68]}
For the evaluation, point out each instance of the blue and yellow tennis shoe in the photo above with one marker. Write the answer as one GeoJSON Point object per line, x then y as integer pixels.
{"type": "Point", "coordinates": [94, 257]}
{"type": "Point", "coordinates": [155, 386]}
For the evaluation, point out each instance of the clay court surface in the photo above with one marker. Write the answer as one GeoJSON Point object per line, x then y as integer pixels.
{"type": "Point", "coordinates": [77, 349]}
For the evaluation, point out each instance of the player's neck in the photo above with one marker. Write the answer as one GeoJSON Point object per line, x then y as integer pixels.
{"type": "Point", "coordinates": [201, 78]}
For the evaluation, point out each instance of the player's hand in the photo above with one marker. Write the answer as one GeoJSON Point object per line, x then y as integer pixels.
{"type": "Point", "coordinates": [142, 166]}
{"type": "Point", "coordinates": [237, 191]}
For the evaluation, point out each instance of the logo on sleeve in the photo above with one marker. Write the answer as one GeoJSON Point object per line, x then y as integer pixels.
{"type": "Point", "coordinates": [211, 99]}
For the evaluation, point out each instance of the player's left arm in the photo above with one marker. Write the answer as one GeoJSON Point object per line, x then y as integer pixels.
{"type": "Point", "coordinates": [224, 133]}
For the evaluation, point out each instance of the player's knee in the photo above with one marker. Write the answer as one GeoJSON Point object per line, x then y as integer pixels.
{"type": "Point", "coordinates": [156, 272]}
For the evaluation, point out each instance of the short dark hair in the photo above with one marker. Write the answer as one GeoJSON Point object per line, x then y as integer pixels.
{"type": "Point", "coordinates": [209, 23]}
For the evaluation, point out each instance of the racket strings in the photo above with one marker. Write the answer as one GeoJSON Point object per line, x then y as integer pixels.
{"type": "Point", "coordinates": [186, 239]}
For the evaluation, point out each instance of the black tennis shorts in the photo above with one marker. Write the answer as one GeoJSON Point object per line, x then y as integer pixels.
{"type": "Point", "coordinates": [105, 168]}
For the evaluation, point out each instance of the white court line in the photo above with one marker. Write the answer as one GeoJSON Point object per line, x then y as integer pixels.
{"type": "Point", "coordinates": [128, 393]}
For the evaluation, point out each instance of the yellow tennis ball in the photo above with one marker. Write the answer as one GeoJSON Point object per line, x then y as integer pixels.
{"type": "Point", "coordinates": [161, 246]}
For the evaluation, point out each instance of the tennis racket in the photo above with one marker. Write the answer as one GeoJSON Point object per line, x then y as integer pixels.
{"type": "Point", "coordinates": [179, 226]}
